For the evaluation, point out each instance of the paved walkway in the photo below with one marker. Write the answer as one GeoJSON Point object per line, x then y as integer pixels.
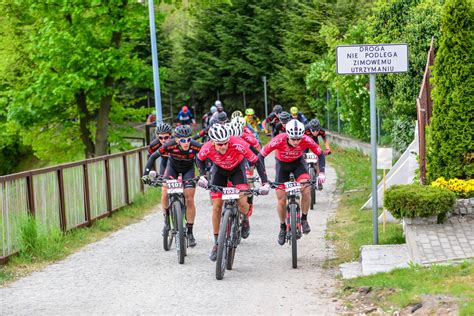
{"type": "Point", "coordinates": [453, 240]}
{"type": "Point", "coordinates": [128, 273]}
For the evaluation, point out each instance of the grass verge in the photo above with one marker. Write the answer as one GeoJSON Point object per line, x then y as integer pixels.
{"type": "Point", "coordinates": [39, 247]}
{"type": "Point", "coordinates": [352, 228]}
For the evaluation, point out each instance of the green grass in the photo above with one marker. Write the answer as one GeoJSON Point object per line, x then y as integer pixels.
{"type": "Point", "coordinates": [409, 284]}
{"type": "Point", "coordinates": [352, 228]}
{"type": "Point", "coordinates": [39, 247]}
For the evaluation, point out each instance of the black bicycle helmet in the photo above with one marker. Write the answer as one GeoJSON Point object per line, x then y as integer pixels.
{"type": "Point", "coordinates": [314, 125]}
{"type": "Point", "coordinates": [163, 128]}
{"type": "Point", "coordinates": [277, 108]}
{"type": "Point", "coordinates": [222, 117]}
{"type": "Point", "coordinates": [183, 131]}
{"type": "Point", "coordinates": [285, 117]}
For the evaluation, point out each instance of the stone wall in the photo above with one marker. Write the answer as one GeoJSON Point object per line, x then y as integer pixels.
{"type": "Point", "coordinates": [464, 207]}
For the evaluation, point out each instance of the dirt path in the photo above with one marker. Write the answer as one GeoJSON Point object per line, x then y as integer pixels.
{"type": "Point", "coordinates": [129, 273]}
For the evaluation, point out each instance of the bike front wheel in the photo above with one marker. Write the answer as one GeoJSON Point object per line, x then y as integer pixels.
{"type": "Point", "coordinates": [167, 237]}
{"type": "Point", "coordinates": [294, 233]}
{"type": "Point", "coordinates": [222, 242]}
{"type": "Point", "coordinates": [235, 236]}
{"type": "Point", "coordinates": [180, 238]}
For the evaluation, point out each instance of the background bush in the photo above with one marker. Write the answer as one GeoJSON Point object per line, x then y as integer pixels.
{"type": "Point", "coordinates": [417, 200]}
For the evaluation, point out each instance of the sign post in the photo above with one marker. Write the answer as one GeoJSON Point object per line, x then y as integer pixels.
{"type": "Point", "coordinates": [372, 59]}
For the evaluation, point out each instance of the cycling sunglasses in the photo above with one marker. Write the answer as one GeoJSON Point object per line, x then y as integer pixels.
{"type": "Point", "coordinates": [163, 137]}
{"type": "Point", "coordinates": [185, 140]}
{"type": "Point", "coordinates": [296, 139]}
{"type": "Point", "coordinates": [221, 144]}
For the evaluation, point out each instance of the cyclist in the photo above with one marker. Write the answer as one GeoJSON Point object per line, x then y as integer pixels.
{"type": "Point", "coordinates": [182, 151]}
{"type": "Point", "coordinates": [228, 154]}
{"type": "Point", "coordinates": [285, 117]}
{"type": "Point", "coordinates": [185, 117]}
{"type": "Point", "coordinates": [252, 119]}
{"type": "Point", "coordinates": [289, 148]}
{"type": "Point", "coordinates": [207, 117]}
{"type": "Point", "coordinates": [272, 119]}
{"type": "Point", "coordinates": [220, 108]}
{"type": "Point", "coordinates": [163, 134]}
{"type": "Point", "coordinates": [297, 115]}
{"type": "Point", "coordinates": [247, 133]}
{"type": "Point", "coordinates": [313, 129]}
{"type": "Point", "coordinates": [236, 114]}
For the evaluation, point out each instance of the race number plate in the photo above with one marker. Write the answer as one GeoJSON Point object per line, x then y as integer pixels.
{"type": "Point", "coordinates": [174, 186]}
{"type": "Point", "coordinates": [292, 187]}
{"type": "Point", "coordinates": [230, 194]}
{"type": "Point", "coordinates": [311, 158]}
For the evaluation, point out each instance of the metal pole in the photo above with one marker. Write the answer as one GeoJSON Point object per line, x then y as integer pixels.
{"type": "Point", "coordinates": [338, 116]}
{"type": "Point", "coordinates": [327, 108]}
{"type": "Point", "coordinates": [171, 106]}
{"type": "Point", "coordinates": [378, 126]}
{"type": "Point", "coordinates": [245, 101]}
{"type": "Point", "coordinates": [154, 55]}
{"type": "Point", "coordinates": [218, 95]}
{"type": "Point", "coordinates": [373, 143]}
{"type": "Point", "coordinates": [265, 94]}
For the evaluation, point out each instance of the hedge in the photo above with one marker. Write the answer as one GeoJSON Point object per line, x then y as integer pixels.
{"type": "Point", "coordinates": [418, 200]}
{"type": "Point", "coordinates": [451, 144]}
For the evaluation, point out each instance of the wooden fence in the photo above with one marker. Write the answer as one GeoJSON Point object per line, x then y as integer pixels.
{"type": "Point", "coordinates": [70, 195]}
{"type": "Point", "coordinates": [424, 107]}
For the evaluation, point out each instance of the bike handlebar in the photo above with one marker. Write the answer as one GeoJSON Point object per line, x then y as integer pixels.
{"type": "Point", "coordinates": [158, 182]}
{"type": "Point", "coordinates": [220, 189]}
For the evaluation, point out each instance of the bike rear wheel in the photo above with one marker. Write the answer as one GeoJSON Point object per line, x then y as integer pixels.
{"type": "Point", "coordinates": [294, 248]}
{"type": "Point", "coordinates": [180, 238]}
{"type": "Point", "coordinates": [222, 242]}
{"type": "Point", "coordinates": [312, 174]}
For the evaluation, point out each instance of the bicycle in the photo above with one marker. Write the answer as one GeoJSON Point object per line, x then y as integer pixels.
{"type": "Point", "coordinates": [293, 218]}
{"type": "Point", "coordinates": [177, 215]}
{"type": "Point", "coordinates": [313, 168]}
{"type": "Point", "coordinates": [230, 227]}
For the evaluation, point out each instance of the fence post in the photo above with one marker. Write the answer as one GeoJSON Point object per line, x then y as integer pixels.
{"type": "Point", "coordinates": [87, 202]}
{"type": "Point", "coordinates": [140, 165]}
{"type": "Point", "coordinates": [421, 140]}
{"type": "Point", "coordinates": [31, 196]}
{"type": "Point", "coordinates": [125, 171]}
{"type": "Point", "coordinates": [62, 202]}
{"type": "Point", "coordinates": [108, 189]}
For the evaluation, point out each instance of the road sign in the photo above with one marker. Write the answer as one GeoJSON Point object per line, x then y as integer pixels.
{"type": "Point", "coordinates": [371, 59]}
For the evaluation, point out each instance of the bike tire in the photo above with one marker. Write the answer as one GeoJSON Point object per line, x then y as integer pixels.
{"type": "Point", "coordinates": [312, 174]}
{"type": "Point", "coordinates": [222, 239]}
{"type": "Point", "coordinates": [235, 240]}
{"type": "Point", "coordinates": [168, 239]}
{"type": "Point", "coordinates": [180, 239]}
{"type": "Point", "coordinates": [294, 246]}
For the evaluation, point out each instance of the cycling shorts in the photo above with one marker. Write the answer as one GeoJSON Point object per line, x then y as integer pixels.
{"type": "Point", "coordinates": [284, 169]}
{"type": "Point", "coordinates": [170, 172]}
{"type": "Point", "coordinates": [236, 177]}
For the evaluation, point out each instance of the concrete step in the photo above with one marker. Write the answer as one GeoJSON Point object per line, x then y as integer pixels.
{"type": "Point", "coordinates": [383, 258]}
{"type": "Point", "coordinates": [351, 270]}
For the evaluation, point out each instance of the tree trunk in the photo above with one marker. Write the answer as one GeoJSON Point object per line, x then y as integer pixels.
{"type": "Point", "coordinates": [84, 120]}
{"type": "Point", "coordinates": [103, 120]}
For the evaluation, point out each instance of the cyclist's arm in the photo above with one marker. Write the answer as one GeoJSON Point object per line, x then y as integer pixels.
{"type": "Point", "coordinates": [317, 150]}
{"type": "Point", "coordinates": [151, 162]}
{"type": "Point", "coordinates": [253, 159]}
{"type": "Point", "coordinates": [201, 162]}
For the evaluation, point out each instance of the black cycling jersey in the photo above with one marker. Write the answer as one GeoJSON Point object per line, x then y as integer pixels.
{"type": "Point", "coordinates": [278, 129]}
{"type": "Point", "coordinates": [180, 160]}
{"type": "Point", "coordinates": [321, 133]}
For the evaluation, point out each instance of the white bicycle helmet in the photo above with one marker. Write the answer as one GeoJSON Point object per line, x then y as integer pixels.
{"type": "Point", "coordinates": [236, 129]}
{"type": "Point", "coordinates": [239, 120]}
{"type": "Point", "coordinates": [295, 129]}
{"type": "Point", "coordinates": [219, 133]}
{"type": "Point", "coordinates": [213, 109]}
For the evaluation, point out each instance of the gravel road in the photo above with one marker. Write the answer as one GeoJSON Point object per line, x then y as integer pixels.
{"type": "Point", "coordinates": [129, 273]}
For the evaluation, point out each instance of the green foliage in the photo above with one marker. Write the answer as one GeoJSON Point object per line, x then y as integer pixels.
{"type": "Point", "coordinates": [403, 131]}
{"type": "Point", "coordinates": [417, 200]}
{"type": "Point", "coordinates": [451, 143]}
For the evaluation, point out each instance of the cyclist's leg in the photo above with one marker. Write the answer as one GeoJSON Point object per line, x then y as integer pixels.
{"type": "Point", "coordinates": [189, 191]}
{"type": "Point", "coordinates": [220, 180]}
{"type": "Point", "coordinates": [239, 180]}
{"type": "Point", "coordinates": [282, 174]}
{"type": "Point", "coordinates": [164, 190]}
{"type": "Point", "coordinates": [302, 175]}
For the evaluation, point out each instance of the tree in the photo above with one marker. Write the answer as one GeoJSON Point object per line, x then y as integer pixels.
{"type": "Point", "coordinates": [451, 143]}
{"type": "Point", "coordinates": [83, 58]}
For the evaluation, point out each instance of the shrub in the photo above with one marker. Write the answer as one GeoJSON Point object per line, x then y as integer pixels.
{"type": "Point", "coordinates": [418, 200]}
{"type": "Point", "coordinates": [451, 137]}
{"type": "Point", "coordinates": [462, 188]}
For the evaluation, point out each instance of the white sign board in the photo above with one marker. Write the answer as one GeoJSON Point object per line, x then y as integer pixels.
{"type": "Point", "coordinates": [384, 158]}
{"type": "Point", "coordinates": [372, 59]}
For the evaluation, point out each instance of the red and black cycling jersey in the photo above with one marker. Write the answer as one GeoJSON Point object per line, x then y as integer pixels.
{"type": "Point", "coordinates": [287, 153]}
{"type": "Point", "coordinates": [272, 119]}
{"type": "Point", "coordinates": [237, 151]}
{"type": "Point", "coordinates": [250, 138]}
{"type": "Point", "coordinates": [321, 133]}
{"type": "Point", "coordinates": [181, 160]}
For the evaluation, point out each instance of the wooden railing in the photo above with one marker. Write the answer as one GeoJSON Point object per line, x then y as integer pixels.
{"type": "Point", "coordinates": [70, 195]}
{"type": "Point", "coordinates": [424, 106]}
